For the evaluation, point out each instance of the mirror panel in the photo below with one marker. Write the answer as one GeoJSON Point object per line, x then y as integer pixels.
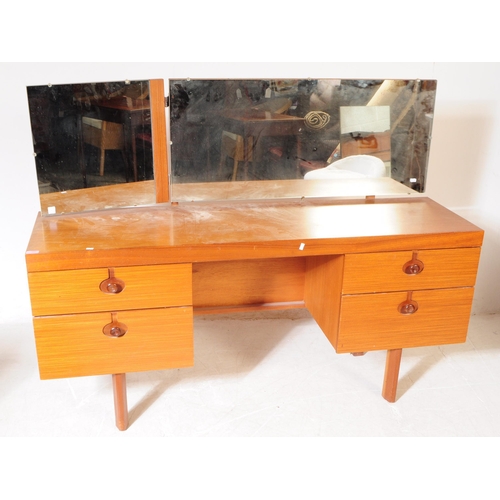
{"type": "Point", "coordinates": [251, 139]}
{"type": "Point", "coordinates": [92, 145]}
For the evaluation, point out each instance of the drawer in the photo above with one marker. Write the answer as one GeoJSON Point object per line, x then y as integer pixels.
{"type": "Point", "coordinates": [372, 321]}
{"type": "Point", "coordinates": [79, 291]}
{"type": "Point", "coordinates": [75, 345]}
{"type": "Point", "coordinates": [384, 272]}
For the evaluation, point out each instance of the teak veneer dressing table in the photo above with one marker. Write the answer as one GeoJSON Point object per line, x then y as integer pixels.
{"type": "Point", "coordinates": [115, 291]}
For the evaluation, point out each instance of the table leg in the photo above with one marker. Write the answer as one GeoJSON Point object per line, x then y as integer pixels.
{"type": "Point", "coordinates": [392, 364]}
{"type": "Point", "coordinates": [299, 156]}
{"type": "Point", "coordinates": [130, 145]}
{"type": "Point", "coordinates": [134, 155]}
{"type": "Point", "coordinates": [81, 151]}
{"type": "Point", "coordinates": [120, 398]}
{"type": "Point", "coordinates": [248, 154]}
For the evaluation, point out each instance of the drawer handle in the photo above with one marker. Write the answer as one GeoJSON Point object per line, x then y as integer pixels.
{"type": "Point", "coordinates": [115, 328]}
{"type": "Point", "coordinates": [409, 306]}
{"type": "Point", "coordinates": [112, 284]}
{"type": "Point", "coordinates": [413, 266]}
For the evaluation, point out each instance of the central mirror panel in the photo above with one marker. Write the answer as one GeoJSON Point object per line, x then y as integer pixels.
{"type": "Point", "coordinates": [92, 145]}
{"type": "Point", "coordinates": [252, 139]}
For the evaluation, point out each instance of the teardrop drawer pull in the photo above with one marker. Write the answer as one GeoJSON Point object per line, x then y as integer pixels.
{"type": "Point", "coordinates": [115, 328]}
{"type": "Point", "coordinates": [413, 266]}
{"type": "Point", "coordinates": [409, 306]}
{"type": "Point", "coordinates": [112, 285]}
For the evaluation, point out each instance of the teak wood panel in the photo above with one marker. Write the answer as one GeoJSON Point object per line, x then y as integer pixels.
{"type": "Point", "coordinates": [77, 291]}
{"type": "Point", "coordinates": [322, 292]}
{"type": "Point", "coordinates": [248, 282]}
{"type": "Point", "coordinates": [383, 272]}
{"type": "Point", "coordinates": [75, 345]}
{"type": "Point", "coordinates": [372, 321]}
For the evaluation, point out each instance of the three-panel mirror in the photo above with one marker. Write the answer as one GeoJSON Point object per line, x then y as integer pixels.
{"type": "Point", "coordinates": [239, 139]}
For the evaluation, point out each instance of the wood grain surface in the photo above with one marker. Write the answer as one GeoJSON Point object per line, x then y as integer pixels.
{"type": "Point", "coordinates": [75, 345]}
{"type": "Point", "coordinates": [205, 232]}
{"type": "Point", "coordinates": [383, 272]}
{"type": "Point", "coordinates": [77, 291]}
{"type": "Point", "coordinates": [372, 321]}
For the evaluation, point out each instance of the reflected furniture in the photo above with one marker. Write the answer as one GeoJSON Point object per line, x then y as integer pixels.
{"type": "Point", "coordinates": [72, 115]}
{"type": "Point", "coordinates": [104, 136]}
{"type": "Point", "coordinates": [240, 147]}
{"type": "Point", "coordinates": [356, 166]}
{"type": "Point", "coordinates": [233, 146]}
{"type": "Point", "coordinates": [115, 291]}
{"type": "Point", "coordinates": [66, 118]}
{"type": "Point", "coordinates": [286, 128]}
{"type": "Point", "coordinates": [378, 145]}
{"type": "Point", "coordinates": [246, 126]}
{"type": "Point", "coordinates": [133, 114]}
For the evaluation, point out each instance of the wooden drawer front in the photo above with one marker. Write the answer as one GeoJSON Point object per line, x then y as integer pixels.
{"type": "Point", "coordinates": [75, 345]}
{"type": "Point", "coordinates": [383, 272]}
{"type": "Point", "coordinates": [67, 292]}
{"type": "Point", "coordinates": [372, 321]}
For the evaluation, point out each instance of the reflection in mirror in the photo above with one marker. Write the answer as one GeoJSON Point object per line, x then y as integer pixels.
{"type": "Point", "coordinates": [226, 135]}
{"type": "Point", "coordinates": [365, 130]}
{"type": "Point", "coordinates": [92, 145]}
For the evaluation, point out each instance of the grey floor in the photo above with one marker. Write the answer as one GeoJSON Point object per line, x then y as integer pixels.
{"type": "Point", "coordinates": [265, 375]}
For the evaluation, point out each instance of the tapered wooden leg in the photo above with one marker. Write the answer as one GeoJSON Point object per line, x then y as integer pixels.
{"type": "Point", "coordinates": [101, 162]}
{"type": "Point", "coordinates": [120, 397]}
{"type": "Point", "coordinates": [392, 364]}
{"type": "Point", "coordinates": [235, 169]}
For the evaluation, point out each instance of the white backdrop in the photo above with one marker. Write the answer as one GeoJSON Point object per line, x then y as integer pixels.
{"type": "Point", "coordinates": [464, 172]}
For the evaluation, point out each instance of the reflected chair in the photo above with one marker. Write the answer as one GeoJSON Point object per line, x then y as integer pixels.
{"type": "Point", "coordinates": [105, 136]}
{"type": "Point", "coordinates": [233, 146]}
{"type": "Point", "coordinates": [351, 167]}
{"type": "Point", "coordinates": [144, 151]}
{"type": "Point", "coordinates": [239, 148]}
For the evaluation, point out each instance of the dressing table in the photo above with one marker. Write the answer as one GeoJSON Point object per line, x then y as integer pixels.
{"type": "Point", "coordinates": [114, 289]}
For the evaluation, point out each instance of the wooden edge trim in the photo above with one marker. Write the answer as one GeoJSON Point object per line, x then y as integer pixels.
{"type": "Point", "coordinates": [159, 136]}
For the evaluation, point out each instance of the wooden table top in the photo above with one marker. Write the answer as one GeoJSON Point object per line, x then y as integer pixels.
{"type": "Point", "coordinates": [125, 104]}
{"type": "Point", "coordinates": [254, 115]}
{"type": "Point", "coordinates": [202, 232]}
